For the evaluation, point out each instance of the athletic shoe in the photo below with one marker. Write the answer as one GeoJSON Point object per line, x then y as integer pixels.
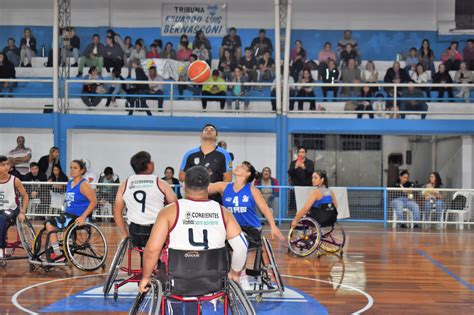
{"type": "Point", "coordinates": [3, 263]}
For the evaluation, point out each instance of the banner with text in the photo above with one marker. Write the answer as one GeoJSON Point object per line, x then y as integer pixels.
{"type": "Point", "coordinates": [189, 18]}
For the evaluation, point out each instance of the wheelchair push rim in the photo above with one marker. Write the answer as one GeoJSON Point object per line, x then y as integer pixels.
{"type": "Point", "coordinates": [149, 302]}
{"type": "Point", "coordinates": [116, 264]}
{"type": "Point", "coordinates": [305, 237]}
{"type": "Point", "coordinates": [239, 303]}
{"type": "Point", "coordinates": [273, 265]}
{"type": "Point", "coordinates": [333, 238]}
{"type": "Point", "coordinates": [27, 235]}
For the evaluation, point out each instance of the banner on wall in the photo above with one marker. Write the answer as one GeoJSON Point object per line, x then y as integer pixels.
{"type": "Point", "coordinates": [188, 18]}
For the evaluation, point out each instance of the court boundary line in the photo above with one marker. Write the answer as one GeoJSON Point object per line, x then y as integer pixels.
{"type": "Point", "coordinates": [370, 299]}
{"type": "Point", "coordinates": [446, 270]}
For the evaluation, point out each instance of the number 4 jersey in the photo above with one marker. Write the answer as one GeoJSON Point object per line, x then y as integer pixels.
{"type": "Point", "coordinates": [143, 198]}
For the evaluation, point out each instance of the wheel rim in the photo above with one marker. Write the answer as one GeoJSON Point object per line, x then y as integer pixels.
{"type": "Point", "coordinates": [27, 235]}
{"type": "Point", "coordinates": [333, 238]}
{"type": "Point", "coordinates": [274, 266]}
{"type": "Point", "coordinates": [304, 238]}
{"type": "Point", "coordinates": [116, 264]}
{"type": "Point", "coordinates": [86, 246]}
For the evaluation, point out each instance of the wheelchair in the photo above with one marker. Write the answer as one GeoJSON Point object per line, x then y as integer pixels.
{"type": "Point", "coordinates": [84, 247]}
{"type": "Point", "coordinates": [194, 276]}
{"type": "Point", "coordinates": [308, 236]}
{"type": "Point", "coordinates": [24, 239]}
{"type": "Point", "coordinates": [265, 273]}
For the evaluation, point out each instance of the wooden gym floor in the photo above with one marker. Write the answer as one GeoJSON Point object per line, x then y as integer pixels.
{"type": "Point", "coordinates": [383, 271]}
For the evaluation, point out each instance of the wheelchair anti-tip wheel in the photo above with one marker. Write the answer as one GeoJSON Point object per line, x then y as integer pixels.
{"type": "Point", "coordinates": [273, 265]}
{"type": "Point", "coordinates": [116, 264]}
{"type": "Point", "coordinates": [305, 237]}
{"type": "Point", "coordinates": [333, 238]}
{"type": "Point", "coordinates": [27, 235]}
{"type": "Point", "coordinates": [85, 246]}
{"type": "Point", "coordinates": [149, 302]}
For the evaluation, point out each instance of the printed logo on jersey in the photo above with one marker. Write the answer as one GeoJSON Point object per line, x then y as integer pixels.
{"type": "Point", "coordinates": [197, 160]}
{"type": "Point", "coordinates": [201, 218]}
{"type": "Point", "coordinates": [2, 198]}
{"type": "Point", "coordinates": [69, 198]}
{"type": "Point", "coordinates": [245, 198]}
{"type": "Point", "coordinates": [142, 183]}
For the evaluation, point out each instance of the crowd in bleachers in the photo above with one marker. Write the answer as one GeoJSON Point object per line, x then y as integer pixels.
{"type": "Point", "coordinates": [254, 63]}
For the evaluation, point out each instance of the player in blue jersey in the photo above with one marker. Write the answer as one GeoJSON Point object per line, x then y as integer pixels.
{"type": "Point", "coordinates": [321, 203]}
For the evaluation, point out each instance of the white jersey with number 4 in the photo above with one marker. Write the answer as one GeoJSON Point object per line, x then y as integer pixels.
{"type": "Point", "coordinates": [143, 199]}
{"type": "Point", "coordinates": [199, 225]}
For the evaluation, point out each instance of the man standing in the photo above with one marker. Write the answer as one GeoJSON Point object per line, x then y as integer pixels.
{"type": "Point", "coordinates": [215, 159]}
{"type": "Point", "coordinates": [20, 156]}
{"type": "Point", "coordinates": [301, 170]}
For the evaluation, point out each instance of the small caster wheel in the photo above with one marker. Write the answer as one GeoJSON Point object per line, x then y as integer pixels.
{"type": "Point", "coordinates": [115, 296]}
{"type": "Point", "coordinates": [32, 267]}
{"type": "Point", "coordinates": [259, 298]}
{"type": "Point", "coordinates": [289, 251]}
{"type": "Point", "coordinates": [3, 264]}
{"type": "Point", "coordinates": [47, 269]}
{"type": "Point", "coordinates": [104, 266]}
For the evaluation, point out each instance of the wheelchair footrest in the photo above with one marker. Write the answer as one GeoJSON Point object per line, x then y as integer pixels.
{"type": "Point", "coordinates": [253, 273]}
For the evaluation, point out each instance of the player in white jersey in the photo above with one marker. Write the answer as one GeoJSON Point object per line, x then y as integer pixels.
{"type": "Point", "coordinates": [144, 195]}
{"type": "Point", "coordinates": [195, 223]}
{"type": "Point", "coordinates": [10, 186]}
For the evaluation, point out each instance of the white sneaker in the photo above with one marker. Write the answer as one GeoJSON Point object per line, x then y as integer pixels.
{"type": "Point", "coordinates": [244, 283]}
{"type": "Point", "coordinates": [114, 104]}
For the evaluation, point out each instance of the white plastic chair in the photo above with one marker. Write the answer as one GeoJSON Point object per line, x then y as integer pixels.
{"type": "Point", "coordinates": [463, 214]}
{"type": "Point", "coordinates": [409, 220]}
{"type": "Point", "coordinates": [57, 202]}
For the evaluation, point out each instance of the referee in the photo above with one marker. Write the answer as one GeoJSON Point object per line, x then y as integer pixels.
{"type": "Point", "coordinates": [215, 159]}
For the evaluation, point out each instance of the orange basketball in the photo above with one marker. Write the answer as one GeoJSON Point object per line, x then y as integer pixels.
{"type": "Point", "coordinates": [199, 71]}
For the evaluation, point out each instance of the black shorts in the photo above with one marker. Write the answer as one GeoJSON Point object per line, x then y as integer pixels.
{"type": "Point", "coordinates": [63, 221]}
{"type": "Point", "coordinates": [325, 215]}
{"type": "Point", "coordinates": [139, 234]}
{"type": "Point", "coordinates": [254, 236]}
{"type": "Point", "coordinates": [10, 215]}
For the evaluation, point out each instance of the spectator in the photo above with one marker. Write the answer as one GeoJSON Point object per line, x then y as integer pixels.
{"type": "Point", "coordinates": [222, 144]}
{"type": "Point", "coordinates": [421, 76]}
{"type": "Point", "coordinates": [306, 91]}
{"type": "Point", "coordinates": [137, 53]}
{"type": "Point", "coordinates": [238, 90]}
{"type": "Point", "coordinates": [227, 65]}
{"type": "Point", "coordinates": [233, 43]}
{"type": "Point", "coordinates": [35, 175]}
{"type": "Point", "coordinates": [183, 77]}
{"type": "Point", "coordinates": [7, 71]}
{"type": "Point", "coordinates": [267, 68]}
{"type": "Point", "coordinates": [92, 89]}
{"type": "Point", "coordinates": [433, 198]}
{"type": "Point", "coordinates": [71, 47]}
{"type": "Point", "coordinates": [215, 89]}
{"type": "Point", "coordinates": [347, 39]}
{"type": "Point", "coordinates": [395, 75]}
{"type": "Point", "coordinates": [47, 162]}
{"type": "Point", "coordinates": [28, 47]}
{"type": "Point", "coordinates": [404, 198]}
{"type": "Point", "coordinates": [442, 76]}
{"type": "Point", "coordinates": [57, 175]}
{"type": "Point", "coordinates": [116, 88]}
{"type": "Point", "coordinates": [346, 54]}
{"type": "Point", "coordinates": [379, 104]}
{"type": "Point", "coordinates": [270, 194]}
{"type": "Point", "coordinates": [413, 94]}
{"type": "Point", "coordinates": [169, 52]}
{"type": "Point", "coordinates": [412, 60]}
{"type": "Point", "coordinates": [365, 104]}
{"type": "Point", "coordinates": [12, 52]}
{"type": "Point", "coordinates": [13, 171]}
{"type": "Point", "coordinates": [452, 57]}
{"type": "Point", "coordinates": [108, 192]}
{"type": "Point", "coordinates": [128, 47]}
{"type": "Point", "coordinates": [117, 40]}
{"type": "Point", "coordinates": [370, 75]}
{"type": "Point", "coordinates": [202, 53]}
{"type": "Point", "coordinates": [20, 156]}
{"type": "Point", "coordinates": [159, 45]}
{"type": "Point", "coordinates": [140, 101]}
{"type": "Point", "coordinates": [170, 179]}
{"type": "Point", "coordinates": [261, 44]}
{"type": "Point", "coordinates": [184, 52]}
{"type": "Point", "coordinates": [426, 56]}
{"type": "Point", "coordinates": [291, 92]}
{"type": "Point", "coordinates": [468, 54]}
{"type": "Point", "coordinates": [298, 59]}
{"type": "Point", "coordinates": [249, 65]}
{"type": "Point", "coordinates": [89, 174]}
{"type": "Point", "coordinates": [93, 56]}
{"type": "Point", "coordinates": [463, 75]}
{"type": "Point", "coordinates": [330, 75]}
{"type": "Point", "coordinates": [324, 57]}
{"type": "Point", "coordinates": [185, 41]}
{"type": "Point", "coordinates": [156, 88]}
{"type": "Point", "coordinates": [113, 55]}
{"type": "Point", "coordinates": [301, 170]}
{"type": "Point", "coordinates": [153, 52]}
{"type": "Point", "coordinates": [351, 74]}
{"type": "Point", "coordinates": [198, 41]}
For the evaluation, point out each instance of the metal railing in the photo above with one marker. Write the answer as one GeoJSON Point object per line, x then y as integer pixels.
{"type": "Point", "coordinates": [364, 204]}
{"type": "Point", "coordinates": [9, 92]}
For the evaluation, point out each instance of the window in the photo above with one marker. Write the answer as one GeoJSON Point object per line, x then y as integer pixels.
{"type": "Point", "coordinates": [464, 14]}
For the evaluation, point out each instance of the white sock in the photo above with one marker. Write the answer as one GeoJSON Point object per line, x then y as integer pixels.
{"type": "Point", "coordinates": [2, 252]}
{"type": "Point", "coordinates": [56, 249]}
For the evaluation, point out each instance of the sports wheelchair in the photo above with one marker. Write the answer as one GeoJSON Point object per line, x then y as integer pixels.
{"type": "Point", "coordinates": [194, 276]}
{"type": "Point", "coordinates": [308, 236]}
{"type": "Point", "coordinates": [84, 247]}
{"type": "Point", "coordinates": [24, 237]}
{"type": "Point", "coordinates": [265, 273]}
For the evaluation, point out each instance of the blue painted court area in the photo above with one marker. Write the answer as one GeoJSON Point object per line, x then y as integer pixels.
{"type": "Point", "coordinates": [92, 300]}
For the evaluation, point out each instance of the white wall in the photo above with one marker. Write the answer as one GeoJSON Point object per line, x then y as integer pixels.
{"type": "Point", "coordinates": [38, 140]}
{"type": "Point", "coordinates": [308, 14]}
{"type": "Point", "coordinates": [114, 148]}
{"type": "Point", "coordinates": [449, 161]}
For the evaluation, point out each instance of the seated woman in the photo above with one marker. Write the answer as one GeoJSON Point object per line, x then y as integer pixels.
{"type": "Point", "coordinates": [321, 204]}
{"type": "Point", "coordinates": [80, 202]}
{"type": "Point", "coordinates": [306, 91]}
{"type": "Point", "coordinates": [92, 88]}
{"type": "Point", "coordinates": [433, 198]}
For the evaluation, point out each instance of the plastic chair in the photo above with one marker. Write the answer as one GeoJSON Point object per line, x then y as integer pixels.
{"type": "Point", "coordinates": [409, 218]}
{"type": "Point", "coordinates": [461, 214]}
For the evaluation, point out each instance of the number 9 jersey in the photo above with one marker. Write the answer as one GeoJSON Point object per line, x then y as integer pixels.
{"type": "Point", "coordinates": [144, 199]}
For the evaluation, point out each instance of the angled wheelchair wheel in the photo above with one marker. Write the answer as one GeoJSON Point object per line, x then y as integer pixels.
{"type": "Point", "coordinates": [333, 238]}
{"type": "Point", "coordinates": [150, 302]}
{"type": "Point", "coordinates": [27, 235]}
{"type": "Point", "coordinates": [239, 303]}
{"type": "Point", "coordinates": [85, 246]}
{"type": "Point", "coordinates": [273, 265]}
{"type": "Point", "coordinates": [305, 237]}
{"type": "Point", "coordinates": [116, 264]}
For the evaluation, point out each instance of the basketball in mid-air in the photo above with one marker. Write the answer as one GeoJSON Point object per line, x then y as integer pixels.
{"type": "Point", "coordinates": [199, 71]}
